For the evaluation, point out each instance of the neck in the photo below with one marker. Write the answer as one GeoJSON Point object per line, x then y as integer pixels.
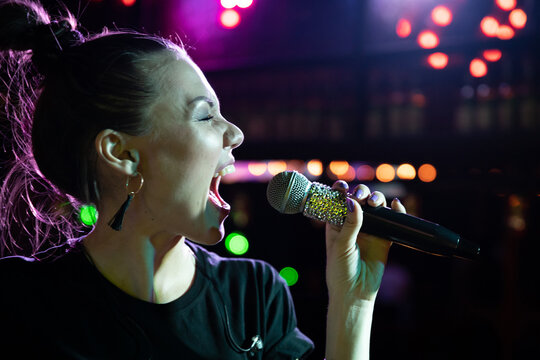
{"type": "Point", "coordinates": [156, 268]}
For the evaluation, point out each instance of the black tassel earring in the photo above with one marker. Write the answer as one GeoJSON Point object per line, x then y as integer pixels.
{"type": "Point", "coordinates": [118, 218]}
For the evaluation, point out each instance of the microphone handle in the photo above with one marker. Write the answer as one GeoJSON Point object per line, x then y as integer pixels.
{"type": "Point", "coordinates": [416, 233]}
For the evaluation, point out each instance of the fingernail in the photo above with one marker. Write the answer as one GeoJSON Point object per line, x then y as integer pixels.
{"type": "Point", "coordinates": [350, 205]}
{"type": "Point", "coordinates": [359, 192]}
{"type": "Point", "coordinates": [374, 198]}
{"type": "Point", "coordinates": [396, 199]}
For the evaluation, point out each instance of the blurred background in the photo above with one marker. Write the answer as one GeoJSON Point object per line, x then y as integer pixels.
{"type": "Point", "coordinates": [435, 102]}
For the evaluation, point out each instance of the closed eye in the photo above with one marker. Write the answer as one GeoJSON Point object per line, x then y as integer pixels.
{"type": "Point", "coordinates": [209, 117]}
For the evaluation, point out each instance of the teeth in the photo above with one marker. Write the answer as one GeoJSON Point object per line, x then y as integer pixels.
{"type": "Point", "coordinates": [229, 169]}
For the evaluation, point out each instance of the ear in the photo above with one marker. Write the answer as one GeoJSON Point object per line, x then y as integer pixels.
{"type": "Point", "coordinates": [112, 150]}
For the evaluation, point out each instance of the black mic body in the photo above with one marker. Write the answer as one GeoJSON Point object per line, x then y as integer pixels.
{"type": "Point", "coordinates": [290, 192]}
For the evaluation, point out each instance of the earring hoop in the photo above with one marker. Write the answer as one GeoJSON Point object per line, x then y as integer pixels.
{"type": "Point", "coordinates": [141, 182]}
{"type": "Point", "coordinates": [118, 218]}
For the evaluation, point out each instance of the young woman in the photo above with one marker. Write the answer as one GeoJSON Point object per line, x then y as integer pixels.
{"type": "Point", "coordinates": [128, 122]}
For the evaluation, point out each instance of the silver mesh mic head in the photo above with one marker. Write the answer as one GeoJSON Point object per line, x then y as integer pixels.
{"type": "Point", "coordinates": [286, 192]}
{"type": "Point", "coordinates": [325, 204]}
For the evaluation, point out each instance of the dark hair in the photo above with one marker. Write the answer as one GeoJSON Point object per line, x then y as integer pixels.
{"type": "Point", "coordinates": [62, 89]}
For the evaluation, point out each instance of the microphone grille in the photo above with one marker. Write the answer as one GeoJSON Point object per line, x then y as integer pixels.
{"type": "Point", "coordinates": [286, 192]}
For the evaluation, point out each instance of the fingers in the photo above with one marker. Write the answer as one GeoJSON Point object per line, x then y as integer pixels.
{"type": "Point", "coordinates": [398, 206]}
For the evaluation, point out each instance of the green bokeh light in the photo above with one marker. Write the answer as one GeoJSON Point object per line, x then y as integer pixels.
{"type": "Point", "coordinates": [290, 275]}
{"type": "Point", "coordinates": [236, 243]}
{"type": "Point", "coordinates": [88, 215]}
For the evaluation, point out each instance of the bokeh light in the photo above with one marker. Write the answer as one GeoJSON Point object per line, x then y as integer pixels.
{"type": "Point", "coordinates": [365, 173]}
{"type": "Point", "coordinates": [428, 39]}
{"type": "Point", "coordinates": [406, 172]}
{"type": "Point", "coordinates": [438, 60]}
{"type": "Point", "coordinates": [244, 3]}
{"type": "Point", "coordinates": [257, 168]}
{"type": "Point", "coordinates": [228, 4]}
{"type": "Point", "coordinates": [506, 5]}
{"type": "Point", "coordinates": [128, 2]}
{"type": "Point", "coordinates": [478, 68]}
{"type": "Point", "coordinates": [492, 55]}
{"type": "Point", "coordinates": [489, 26]}
{"type": "Point", "coordinates": [518, 18]}
{"type": "Point", "coordinates": [339, 168]}
{"type": "Point", "coordinates": [441, 15]}
{"type": "Point", "coordinates": [236, 243]}
{"type": "Point", "coordinates": [290, 275]}
{"type": "Point", "coordinates": [505, 32]}
{"type": "Point", "coordinates": [403, 28]}
{"type": "Point", "coordinates": [427, 173]}
{"type": "Point", "coordinates": [276, 166]}
{"type": "Point", "coordinates": [88, 215]}
{"type": "Point", "coordinates": [385, 173]}
{"type": "Point", "coordinates": [315, 167]}
{"type": "Point", "coordinates": [229, 19]}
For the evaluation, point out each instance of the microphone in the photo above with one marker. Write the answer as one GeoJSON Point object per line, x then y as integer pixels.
{"type": "Point", "coordinates": [290, 192]}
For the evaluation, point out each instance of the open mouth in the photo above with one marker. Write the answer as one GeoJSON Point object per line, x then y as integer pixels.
{"type": "Point", "coordinates": [213, 193]}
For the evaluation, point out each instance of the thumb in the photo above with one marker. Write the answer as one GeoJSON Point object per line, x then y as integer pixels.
{"type": "Point", "coordinates": [345, 240]}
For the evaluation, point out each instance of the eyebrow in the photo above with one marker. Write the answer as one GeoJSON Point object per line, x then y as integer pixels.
{"type": "Point", "coordinates": [202, 98]}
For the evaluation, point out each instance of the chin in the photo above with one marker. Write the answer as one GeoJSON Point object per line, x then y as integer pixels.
{"type": "Point", "coordinates": [213, 236]}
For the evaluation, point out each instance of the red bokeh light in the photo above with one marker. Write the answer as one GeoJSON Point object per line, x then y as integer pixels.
{"type": "Point", "coordinates": [489, 26]}
{"type": "Point", "coordinates": [506, 5]}
{"type": "Point", "coordinates": [403, 28]}
{"type": "Point", "coordinates": [441, 15]}
{"type": "Point", "coordinates": [428, 39]}
{"type": "Point", "coordinates": [478, 68]}
{"type": "Point", "coordinates": [438, 60]}
{"type": "Point", "coordinates": [492, 55]}
{"type": "Point", "coordinates": [518, 18]}
{"type": "Point", "coordinates": [229, 19]}
{"type": "Point", "coordinates": [128, 2]}
{"type": "Point", "coordinates": [505, 32]}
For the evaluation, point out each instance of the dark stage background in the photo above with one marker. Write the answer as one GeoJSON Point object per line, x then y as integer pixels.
{"type": "Point", "coordinates": [331, 80]}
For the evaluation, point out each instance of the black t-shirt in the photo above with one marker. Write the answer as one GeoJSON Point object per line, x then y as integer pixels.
{"type": "Point", "coordinates": [67, 309]}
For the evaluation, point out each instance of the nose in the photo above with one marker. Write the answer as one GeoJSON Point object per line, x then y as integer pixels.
{"type": "Point", "coordinates": [233, 136]}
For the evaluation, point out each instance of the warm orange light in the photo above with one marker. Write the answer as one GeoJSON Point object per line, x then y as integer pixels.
{"type": "Point", "coordinates": [441, 15]}
{"type": "Point", "coordinates": [406, 172]}
{"type": "Point", "coordinates": [128, 2]}
{"type": "Point", "coordinates": [518, 18]}
{"type": "Point", "coordinates": [438, 60]}
{"type": "Point", "coordinates": [350, 175]}
{"type": "Point", "coordinates": [505, 32]}
{"type": "Point", "coordinates": [427, 173]}
{"type": "Point", "coordinates": [506, 5]}
{"type": "Point", "coordinates": [489, 26]}
{"type": "Point", "coordinates": [277, 166]}
{"type": "Point", "coordinates": [257, 168]}
{"type": "Point", "coordinates": [339, 168]}
{"type": "Point", "coordinates": [478, 68]}
{"type": "Point", "coordinates": [229, 19]}
{"type": "Point", "coordinates": [492, 55]}
{"type": "Point", "coordinates": [385, 173]}
{"type": "Point", "coordinates": [514, 201]}
{"type": "Point", "coordinates": [428, 39]}
{"type": "Point", "coordinates": [403, 28]}
{"type": "Point", "coordinates": [365, 173]}
{"type": "Point", "coordinates": [315, 167]}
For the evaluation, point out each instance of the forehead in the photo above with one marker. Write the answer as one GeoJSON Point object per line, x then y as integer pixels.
{"type": "Point", "coordinates": [188, 82]}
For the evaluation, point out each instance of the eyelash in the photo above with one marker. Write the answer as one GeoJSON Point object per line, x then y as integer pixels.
{"type": "Point", "coordinates": [209, 117]}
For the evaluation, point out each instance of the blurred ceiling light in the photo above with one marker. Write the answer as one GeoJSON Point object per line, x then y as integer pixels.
{"type": "Point", "coordinates": [489, 26]}
{"type": "Point", "coordinates": [257, 168]}
{"type": "Point", "coordinates": [518, 18]}
{"type": "Point", "coordinates": [339, 168]}
{"type": "Point", "coordinates": [406, 172]}
{"type": "Point", "coordinates": [385, 173]}
{"type": "Point", "coordinates": [492, 55]}
{"type": "Point", "coordinates": [506, 5]}
{"type": "Point", "coordinates": [128, 2]}
{"type": "Point", "coordinates": [228, 4]}
{"type": "Point", "coordinates": [427, 173]}
{"type": "Point", "coordinates": [478, 68]}
{"type": "Point", "coordinates": [315, 167]}
{"type": "Point", "coordinates": [441, 15]}
{"type": "Point", "coordinates": [229, 19]}
{"type": "Point", "coordinates": [505, 32]}
{"type": "Point", "coordinates": [244, 3]}
{"type": "Point", "coordinates": [365, 173]}
{"type": "Point", "coordinates": [438, 60]}
{"type": "Point", "coordinates": [403, 28]}
{"type": "Point", "coordinates": [276, 166]}
{"type": "Point", "coordinates": [428, 39]}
